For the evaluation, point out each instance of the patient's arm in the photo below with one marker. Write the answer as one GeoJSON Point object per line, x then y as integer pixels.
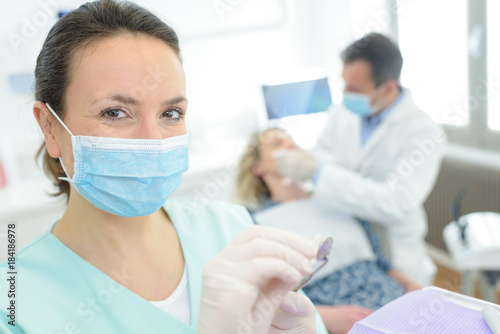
{"type": "Point", "coordinates": [340, 319]}
{"type": "Point", "coordinates": [405, 281]}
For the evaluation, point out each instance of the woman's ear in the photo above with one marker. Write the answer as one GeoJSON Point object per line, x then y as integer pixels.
{"type": "Point", "coordinates": [46, 122]}
{"type": "Point", "coordinates": [257, 169]}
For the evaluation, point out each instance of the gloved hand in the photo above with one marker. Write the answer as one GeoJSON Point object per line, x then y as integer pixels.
{"type": "Point", "coordinates": [297, 164]}
{"type": "Point", "coordinates": [294, 315]}
{"type": "Point", "coordinates": [243, 286]}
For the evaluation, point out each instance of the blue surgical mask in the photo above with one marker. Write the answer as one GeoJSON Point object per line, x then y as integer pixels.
{"type": "Point", "coordinates": [359, 104]}
{"type": "Point", "coordinates": [127, 177]}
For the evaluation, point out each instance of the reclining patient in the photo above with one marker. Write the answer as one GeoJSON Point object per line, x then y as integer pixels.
{"type": "Point", "coordinates": [358, 278]}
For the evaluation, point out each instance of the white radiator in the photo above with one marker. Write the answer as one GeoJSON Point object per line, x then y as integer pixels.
{"type": "Point", "coordinates": [479, 172]}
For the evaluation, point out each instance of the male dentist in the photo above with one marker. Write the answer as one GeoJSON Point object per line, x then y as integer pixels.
{"type": "Point", "coordinates": [378, 156]}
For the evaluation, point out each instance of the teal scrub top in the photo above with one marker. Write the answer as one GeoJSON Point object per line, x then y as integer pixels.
{"type": "Point", "coordinates": [58, 292]}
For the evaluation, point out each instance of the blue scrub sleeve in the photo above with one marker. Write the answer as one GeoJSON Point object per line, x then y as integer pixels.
{"type": "Point", "coordinates": [8, 329]}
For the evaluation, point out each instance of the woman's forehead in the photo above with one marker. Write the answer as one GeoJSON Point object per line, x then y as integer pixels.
{"type": "Point", "coordinates": [273, 135]}
{"type": "Point", "coordinates": [141, 65]}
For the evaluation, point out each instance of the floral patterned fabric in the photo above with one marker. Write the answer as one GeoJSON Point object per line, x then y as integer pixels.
{"type": "Point", "coordinates": [362, 283]}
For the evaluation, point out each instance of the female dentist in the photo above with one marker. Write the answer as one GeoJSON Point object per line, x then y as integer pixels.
{"type": "Point", "coordinates": [111, 102]}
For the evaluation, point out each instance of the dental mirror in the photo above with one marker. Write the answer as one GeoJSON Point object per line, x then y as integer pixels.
{"type": "Point", "coordinates": [322, 256]}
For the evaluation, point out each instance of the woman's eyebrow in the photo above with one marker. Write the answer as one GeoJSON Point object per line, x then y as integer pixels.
{"type": "Point", "coordinates": [132, 101]}
{"type": "Point", "coordinates": [175, 100]}
{"type": "Point", "coordinates": [119, 98]}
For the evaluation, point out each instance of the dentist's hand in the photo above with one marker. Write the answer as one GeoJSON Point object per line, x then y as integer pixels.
{"type": "Point", "coordinates": [297, 164]}
{"type": "Point", "coordinates": [294, 315]}
{"type": "Point", "coordinates": [246, 287]}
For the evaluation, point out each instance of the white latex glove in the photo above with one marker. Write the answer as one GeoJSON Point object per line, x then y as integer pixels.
{"type": "Point", "coordinates": [294, 315]}
{"type": "Point", "coordinates": [243, 286]}
{"type": "Point", "coordinates": [297, 164]}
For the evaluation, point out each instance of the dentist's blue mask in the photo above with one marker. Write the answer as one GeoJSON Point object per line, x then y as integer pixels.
{"type": "Point", "coordinates": [360, 104]}
{"type": "Point", "coordinates": [127, 177]}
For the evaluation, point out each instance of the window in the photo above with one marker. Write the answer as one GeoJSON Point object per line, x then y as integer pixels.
{"type": "Point", "coordinates": [452, 65]}
{"type": "Point", "coordinates": [493, 56]}
{"type": "Point", "coordinates": [433, 41]}
{"type": "Point", "coordinates": [369, 16]}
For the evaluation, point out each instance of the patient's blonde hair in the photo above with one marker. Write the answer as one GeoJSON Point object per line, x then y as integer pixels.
{"type": "Point", "coordinates": [250, 189]}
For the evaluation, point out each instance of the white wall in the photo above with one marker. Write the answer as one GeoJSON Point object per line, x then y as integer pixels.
{"type": "Point", "coordinates": [226, 60]}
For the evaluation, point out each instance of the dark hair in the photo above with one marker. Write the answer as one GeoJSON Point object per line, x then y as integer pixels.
{"type": "Point", "coordinates": [380, 52]}
{"type": "Point", "coordinates": [74, 31]}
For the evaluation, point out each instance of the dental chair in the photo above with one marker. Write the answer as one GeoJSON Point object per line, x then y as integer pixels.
{"type": "Point", "coordinates": [473, 241]}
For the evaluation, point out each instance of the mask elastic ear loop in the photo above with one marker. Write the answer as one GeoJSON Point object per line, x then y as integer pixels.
{"type": "Point", "coordinates": [64, 125]}
{"type": "Point", "coordinates": [57, 117]}
{"type": "Point", "coordinates": [65, 172]}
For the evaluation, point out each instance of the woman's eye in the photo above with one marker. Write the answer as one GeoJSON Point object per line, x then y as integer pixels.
{"type": "Point", "coordinates": [115, 113]}
{"type": "Point", "coordinates": [172, 114]}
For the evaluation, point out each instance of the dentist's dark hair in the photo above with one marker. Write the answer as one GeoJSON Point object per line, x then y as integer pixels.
{"type": "Point", "coordinates": [75, 31]}
{"type": "Point", "coordinates": [380, 52]}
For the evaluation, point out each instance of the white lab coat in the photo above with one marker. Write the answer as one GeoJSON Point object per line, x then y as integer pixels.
{"type": "Point", "coordinates": [387, 180]}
